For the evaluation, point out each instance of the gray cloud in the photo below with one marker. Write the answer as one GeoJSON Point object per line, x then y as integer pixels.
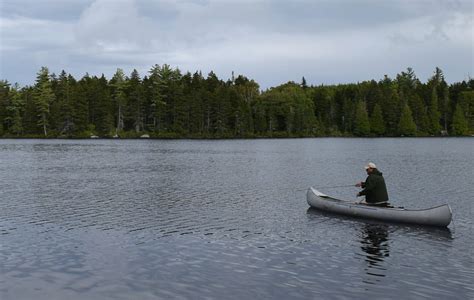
{"type": "Point", "coordinates": [43, 9]}
{"type": "Point", "coordinates": [270, 41]}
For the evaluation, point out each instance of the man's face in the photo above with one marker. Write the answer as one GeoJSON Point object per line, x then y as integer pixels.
{"type": "Point", "coordinates": [369, 170]}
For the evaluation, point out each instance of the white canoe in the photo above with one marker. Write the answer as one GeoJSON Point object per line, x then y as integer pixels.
{"type": "Point", "coordinates": [436, 216]}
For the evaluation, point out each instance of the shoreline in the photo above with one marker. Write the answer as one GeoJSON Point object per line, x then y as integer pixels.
{"type": "Point", "coordinates": [234, 138]}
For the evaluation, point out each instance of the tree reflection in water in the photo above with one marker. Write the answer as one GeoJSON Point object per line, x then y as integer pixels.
{"type": "Point", "coordinates": [374, 243]}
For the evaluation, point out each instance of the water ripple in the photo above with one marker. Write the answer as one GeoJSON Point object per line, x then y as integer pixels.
{"type": "Point", "coordinates": [226, 219]}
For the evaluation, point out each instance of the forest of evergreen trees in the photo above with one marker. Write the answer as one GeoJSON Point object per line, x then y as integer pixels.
{"type": "Point", "coordinates": [168, 104]}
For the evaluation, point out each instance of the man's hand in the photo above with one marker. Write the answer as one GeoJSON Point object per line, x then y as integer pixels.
{"type": "Point", "coordinates": [358, 195]}
{"type": "Point", "coordinates": [359, 184]}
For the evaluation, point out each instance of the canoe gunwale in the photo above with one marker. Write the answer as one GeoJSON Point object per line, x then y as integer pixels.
{"type": "Point", "coordinates": [340, 201]}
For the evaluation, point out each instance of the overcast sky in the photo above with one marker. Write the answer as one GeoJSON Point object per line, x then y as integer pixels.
{"type": "Point", "coordinates": [272, 42]}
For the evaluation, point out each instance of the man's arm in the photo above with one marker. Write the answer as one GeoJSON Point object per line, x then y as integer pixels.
{"type": "Point", "coordinates": [368, 186]}
{"type": "Point", "coordinates": [360, 184]}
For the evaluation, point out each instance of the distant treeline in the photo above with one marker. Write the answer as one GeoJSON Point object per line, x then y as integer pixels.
{"type": "Point", "coordinates": [168, 104]}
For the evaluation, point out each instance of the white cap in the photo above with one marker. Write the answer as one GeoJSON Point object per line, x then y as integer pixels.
{"type": "Point", "coordinates": [370, 165]}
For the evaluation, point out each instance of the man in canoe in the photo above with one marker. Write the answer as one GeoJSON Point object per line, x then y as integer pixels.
{"type": "Point", "coordinates": [374, 188]}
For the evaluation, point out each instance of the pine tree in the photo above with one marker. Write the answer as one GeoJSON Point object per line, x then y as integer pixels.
{"type": "Point", "coordinates": [164, 85]}
{"type": "Point", "coordinates": [104, 120]}
{"type": "Point", "coordinates": [135, 102]}
{"type": "Point", "coordinates": [377, 125]}
{"type": "Point", "coordinates": [433, 113]}
{"type": "Point", "coordinates": [406, 126]}
{"type": "Point", "coordinates": [223, 111]}
{"type": "Point", "coordinates": [12, 107]}
{"type": "Point", "coordinates": [304, 85]}
{"type": "Point", "coordinates": [180, 109]}
{"type": "Point", "coordinates": [459, 125]}
{"type": "Point", "coordinates": [362, 125]}
{"type": "Point", "coordinates": [80, 106]}
{"type": "Point", "coordinates": [419, 113]}
{"type": "Point", "coordinates": [391, 111]}
{"type": "Point", "coordinates": [29, 118]}
{"type": "Point", "coordinates": [44, 96]}
{"type": "Point", "coordinates": [95, 94]}
{"type": "Point", "coordinates": [118, 84]}
{"type": "Point", "coordinates": [212, 119]}
{"type": "Point", "coordinates": [349, 107]}
{"type": "Point", "coordinates": [445, 106]}
{"type": "Point", "coordinates": [156, 103]}
{"type": "Point", "coordinates": [196, 104]}
{"type": "Point", "coordinates": [324, 106]}
{"type": "Point", "coordinates": [466, 101]}
{"type": "Point", "coordinates": [16, 110]}
{"type": "Point", "coordinates": [62, 108]}
{"type": "Point", "coordinates": [4, 102]}
{"type": "Point", "coordinates": [248, 92]}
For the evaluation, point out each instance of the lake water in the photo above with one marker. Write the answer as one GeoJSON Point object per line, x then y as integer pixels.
{"type": "Point", "coordinates": [228, 219]}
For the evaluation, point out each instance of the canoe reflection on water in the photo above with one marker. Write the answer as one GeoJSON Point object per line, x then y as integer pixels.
{"type": "Point", "coordinates": [376, 238]}
{"type": "Point", "coordinates": [374, 243]}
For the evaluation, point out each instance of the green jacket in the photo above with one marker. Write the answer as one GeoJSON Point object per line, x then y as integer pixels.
{"type": "Point", "coordinates": [374, 188]}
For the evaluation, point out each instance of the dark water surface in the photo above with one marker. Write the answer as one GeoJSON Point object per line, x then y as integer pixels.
{"type": "Point", "coordinates": [152, 219]}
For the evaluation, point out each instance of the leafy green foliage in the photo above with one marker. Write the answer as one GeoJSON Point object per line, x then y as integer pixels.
{"type": "Point", "coordinates": [168, 104]}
